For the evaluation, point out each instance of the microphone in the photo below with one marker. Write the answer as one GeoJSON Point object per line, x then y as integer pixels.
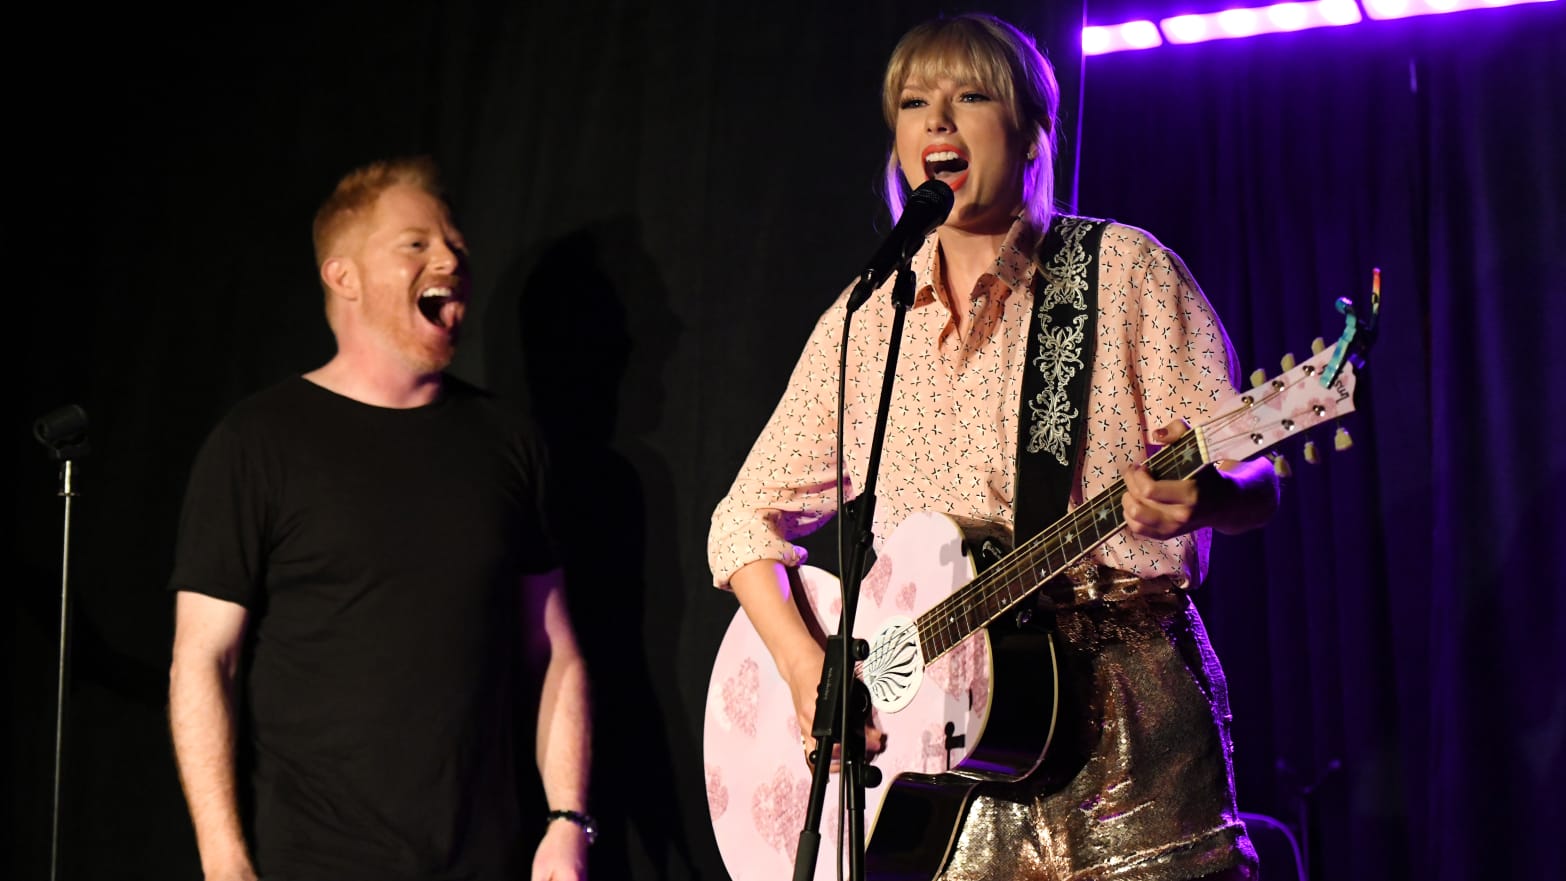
{"type": "Point", "coordinates": [926, 209]}
{"type": "Point", "coordinates": [63, 431]}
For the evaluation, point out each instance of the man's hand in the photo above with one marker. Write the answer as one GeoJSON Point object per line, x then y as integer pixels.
{"type": "Point", "coordinates": [236, 873]}
{"type": "Point", "coordinates": [562, 855]}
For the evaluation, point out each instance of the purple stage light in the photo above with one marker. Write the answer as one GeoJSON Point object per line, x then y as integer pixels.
{"type": "Point", "coordinates": [1097, 40]}
{"type": "Point", "coordinates": [1185, 28]}
{"type": "Point", "coordinates": [1279, 17]}
{"type": "Point", "coordinates": [1338, 12]}
{"type": "Point", "coordinates": [1239, 22]}
{"type": "Point", "coordinates": [1385, 9]}
{"type": "Point", "coordinates": [1288, 16]}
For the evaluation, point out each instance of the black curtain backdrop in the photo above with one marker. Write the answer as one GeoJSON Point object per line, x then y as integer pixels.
{"type": "Point", "coordinates": [660, 202]}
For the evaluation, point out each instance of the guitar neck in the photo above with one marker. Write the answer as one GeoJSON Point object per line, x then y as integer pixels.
{"type": "Point", "coordinates": [1044, 556]}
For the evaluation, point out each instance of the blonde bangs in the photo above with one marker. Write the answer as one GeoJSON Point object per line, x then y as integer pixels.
{"type": "Point", "coordinates": [961, 50]}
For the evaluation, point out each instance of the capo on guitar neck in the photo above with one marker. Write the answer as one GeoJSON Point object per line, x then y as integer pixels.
{"type": "Point", "coordinates": [1360, 333]}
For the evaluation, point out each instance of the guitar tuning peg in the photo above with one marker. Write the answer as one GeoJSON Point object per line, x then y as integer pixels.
{"type": "Point", "coordinates": [1341, 440]}
{"type": "Point", "coordinates": [1258, 376]}
{"type": "Point", "coordinates": [1311, 456]}
{"type": "Point", "coordinates": [1317, 345]}
{"type": "Point", "coordinates": [1280, 465]}
{"type": "Point", "coordinates": [1288, 362]}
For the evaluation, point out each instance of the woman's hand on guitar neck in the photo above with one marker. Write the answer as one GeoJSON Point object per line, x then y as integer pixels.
{"type": "Point", "coordinates": [1229, 496]}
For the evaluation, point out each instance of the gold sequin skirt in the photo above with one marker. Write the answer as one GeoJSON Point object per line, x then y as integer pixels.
{"type": "Point", "coordinates": [1142, 785]}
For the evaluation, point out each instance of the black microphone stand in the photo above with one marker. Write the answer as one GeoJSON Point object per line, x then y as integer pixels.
{"type": "Point", "coordinates": [64, 433]}
{"type": "Point", "coordinates": [841, 713]}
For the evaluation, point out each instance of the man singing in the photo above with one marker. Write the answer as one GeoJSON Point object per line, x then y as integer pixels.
{"type": "Point", "coordinates": [366, 585]}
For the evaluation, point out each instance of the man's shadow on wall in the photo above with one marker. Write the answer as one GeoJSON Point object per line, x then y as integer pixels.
{"type": "Point", "coordinates": [596, 392]}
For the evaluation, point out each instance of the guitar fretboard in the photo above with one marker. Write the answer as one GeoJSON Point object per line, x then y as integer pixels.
{"type": "Point", "coordinates": [1044, 556]}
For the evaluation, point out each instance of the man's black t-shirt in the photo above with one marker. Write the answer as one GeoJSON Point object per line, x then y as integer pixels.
{"type": "Point", "coordinates": [379, 552]}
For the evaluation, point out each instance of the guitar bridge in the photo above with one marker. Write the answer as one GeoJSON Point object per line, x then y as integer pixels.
{"type": "Point", "coordinates": [953, 741]}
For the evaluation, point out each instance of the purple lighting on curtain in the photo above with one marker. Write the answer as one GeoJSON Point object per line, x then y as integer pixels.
{"type": "Point", "coordinates": [1280, 17]}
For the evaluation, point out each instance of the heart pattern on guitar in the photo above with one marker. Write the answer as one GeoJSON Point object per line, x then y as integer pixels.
{"type": "Point", "coordinates": [740, 696]}
{"type": "Point", "coordinates": [778, 809]}
{"type": "Point", "coordinates": [717, 793]}
{"type": "Point", "coordinates": [964, 670]}
{"type": "Point", "coordinates": [876, 582]}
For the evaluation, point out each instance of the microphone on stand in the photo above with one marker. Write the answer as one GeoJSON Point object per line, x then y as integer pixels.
{"type": "Point", "coordinates": [63, 431]}
{"type": "Point", "coordinates": [927, 209]}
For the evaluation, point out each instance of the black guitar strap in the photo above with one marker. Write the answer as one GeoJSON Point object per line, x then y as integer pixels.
{"type": "Point", "coordinates": [1061, 340]}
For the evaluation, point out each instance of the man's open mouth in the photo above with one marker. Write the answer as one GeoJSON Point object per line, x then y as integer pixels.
{"type": "Point", "coordinates": [439, 306]}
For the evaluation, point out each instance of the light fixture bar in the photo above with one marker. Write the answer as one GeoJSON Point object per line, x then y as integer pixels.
{"type": "Point", "coordinates": [1277, 18]}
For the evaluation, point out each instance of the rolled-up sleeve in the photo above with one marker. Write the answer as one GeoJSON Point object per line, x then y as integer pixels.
{"type": "Point", "coordinates": [785, 488]}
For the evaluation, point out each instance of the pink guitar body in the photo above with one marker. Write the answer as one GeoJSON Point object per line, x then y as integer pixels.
{"type": "Point", "coordinates": [758, 781]}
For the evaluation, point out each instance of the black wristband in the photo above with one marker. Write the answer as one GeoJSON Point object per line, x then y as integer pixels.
{"type": "Point", "coordinates": [588, 824]}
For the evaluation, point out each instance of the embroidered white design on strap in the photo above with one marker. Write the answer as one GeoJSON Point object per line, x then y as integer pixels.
{"type": "Point", "coordinates": [1060, 346]}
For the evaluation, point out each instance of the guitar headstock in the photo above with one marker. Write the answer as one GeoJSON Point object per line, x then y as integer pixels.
{"type": "Point", "coordinates": [1254, 421]}
{"type": "Point", "coordinates": [1302, 397]}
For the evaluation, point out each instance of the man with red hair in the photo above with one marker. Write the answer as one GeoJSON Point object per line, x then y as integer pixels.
{"type": "Point", "coordinates": [366, 583]}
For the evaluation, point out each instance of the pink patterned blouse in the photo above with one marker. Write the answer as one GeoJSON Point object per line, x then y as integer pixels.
{"type": "Point", "coordinates": [951, 443]}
